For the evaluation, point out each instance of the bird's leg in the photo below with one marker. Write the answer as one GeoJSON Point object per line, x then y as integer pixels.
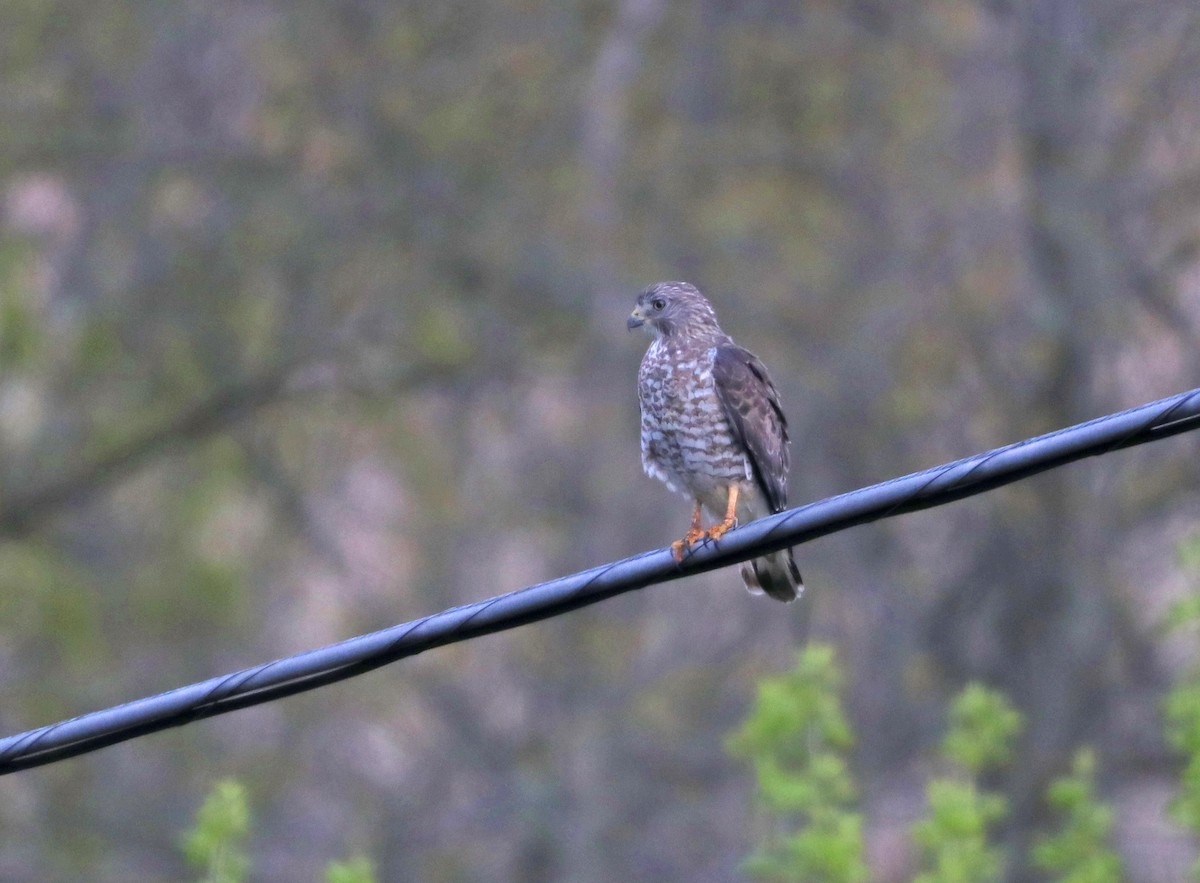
{"type": "Point", "coordinates": [693, 536]}
{"type": "Point", "coordinates": [718, 530]}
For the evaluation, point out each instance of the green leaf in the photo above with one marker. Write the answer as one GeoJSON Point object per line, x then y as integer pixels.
{"type": "Point", "coordinates": [1188, 551]}
{"type": "Point", "coordinates": [1181, 710]}
{"type": "Point", "coordinates": [1078, 852]}
{"type": "Point", "coordinates": [983, 729]}
{"type": "Point", "coordinates": [797, 740]}
{"type": "Point", "coordinates": [216, 844]}
{"type": "Point", "coordinates": [356, 870]}
{"type": "Point", "coordinates": [953, 838]}
{"type": "Point", "coordinates": [1183, 613]}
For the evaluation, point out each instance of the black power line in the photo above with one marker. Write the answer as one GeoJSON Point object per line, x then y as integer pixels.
{"type": "Point", "coordinates": [306, 671]}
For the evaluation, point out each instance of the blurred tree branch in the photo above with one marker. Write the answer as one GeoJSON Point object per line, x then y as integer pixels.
{"type": "Point", "coordinates": [226, 407]}
{"type": "Point", "coordinates": [22, 511]}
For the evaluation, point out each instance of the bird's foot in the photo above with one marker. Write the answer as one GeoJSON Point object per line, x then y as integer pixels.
{"type": "Point", "coordinates": [690, 539]}
{"type": "Point", "coordinates": [719, 530]}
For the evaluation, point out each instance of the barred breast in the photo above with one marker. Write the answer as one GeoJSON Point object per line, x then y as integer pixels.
{"type": "Point", "coordinates": [687, 441]}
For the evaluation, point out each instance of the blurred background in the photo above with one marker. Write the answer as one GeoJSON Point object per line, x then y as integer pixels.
{"type": "Point", "coordinates": [312, 320]}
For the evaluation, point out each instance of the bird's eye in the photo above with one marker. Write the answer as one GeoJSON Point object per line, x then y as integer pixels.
{"type": "Point", "coordinates": [658, 303]}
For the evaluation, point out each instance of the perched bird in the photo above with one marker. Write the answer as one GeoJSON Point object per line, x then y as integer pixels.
{"type": "Point", "coordinates": [712, 427]}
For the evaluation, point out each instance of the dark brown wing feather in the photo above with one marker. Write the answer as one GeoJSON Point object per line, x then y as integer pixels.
{"type": "Point", "coordinates": [751, 404]}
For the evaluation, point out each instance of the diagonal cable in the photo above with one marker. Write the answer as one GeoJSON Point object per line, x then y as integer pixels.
{"type": "Point", "coordinates": [306, 671]}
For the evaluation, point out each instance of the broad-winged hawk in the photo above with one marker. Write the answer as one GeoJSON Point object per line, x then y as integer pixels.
{"type": "Point", "coordinates": [712, 427]}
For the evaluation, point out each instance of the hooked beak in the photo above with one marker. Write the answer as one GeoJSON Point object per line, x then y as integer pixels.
{"type": "Point", "coordinates": [635, 320]}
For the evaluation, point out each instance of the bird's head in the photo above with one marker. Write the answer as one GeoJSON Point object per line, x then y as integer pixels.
{"type": "Point", "coordinates": [668, 308]}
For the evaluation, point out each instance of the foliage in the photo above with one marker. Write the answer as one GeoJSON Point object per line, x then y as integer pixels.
{"type": "Point", "coordinates": [1181, 709]}
{"type": "Point", "coordinates": [216, 844]}
{"type": "Point", "coordinates": [953, 838]}
{"type": "Point", "coordinates": [1182, 712]}
{"type": "Point", "coordinates": [798, 740]}
{"type": "Point", "coordinates": [1184, 614]}
{"type": "Point", "coordinates": [1079, 852]}
{"type": "Point", "coordinates": [355, 870]}
{"type": "Point", "coordinates": [983, 726]}
{"type": "Point", "coordinates": [797, 735]}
